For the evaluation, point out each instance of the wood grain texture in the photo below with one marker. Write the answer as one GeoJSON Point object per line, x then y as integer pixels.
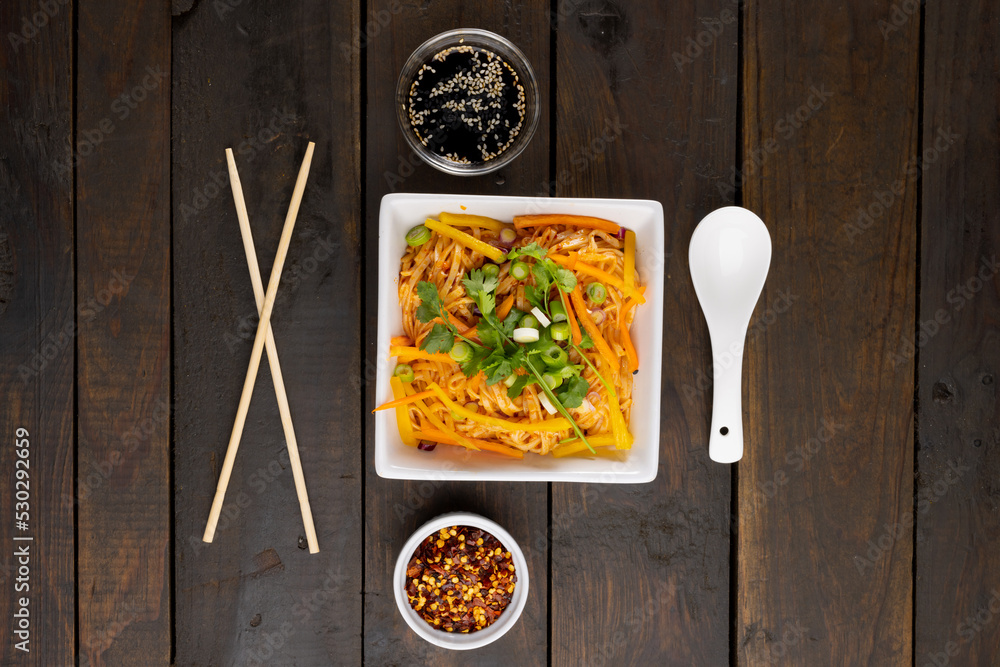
{"type": "Point", "coordinates": [395, 509]}
{"type": "Point", "coordinates": [265, 79]}
{"type": "Point", "coordinates": [958, 337]}
{"type": "Point", "coordinates": [830, 121]}
{"type": "Point", "coordinates": [37, 328]}
{"type": "Point", "coordinates": [640, 574]}
{"type": "Point", "coordinates": [123, 272]}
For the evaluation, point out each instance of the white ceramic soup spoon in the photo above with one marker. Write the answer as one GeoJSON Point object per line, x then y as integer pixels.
{"type": "Point", "coordinates": [729, 256]}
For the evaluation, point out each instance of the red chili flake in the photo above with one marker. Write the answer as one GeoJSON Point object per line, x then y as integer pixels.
{"type": "Point", "coordinates": [458, 579]}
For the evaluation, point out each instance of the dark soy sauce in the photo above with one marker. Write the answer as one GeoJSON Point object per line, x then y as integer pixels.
{"type": "Point", "coordinates": [466, 104]}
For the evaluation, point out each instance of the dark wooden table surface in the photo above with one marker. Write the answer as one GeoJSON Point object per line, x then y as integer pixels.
{"type": "Point", "coordinates": [862, 527]}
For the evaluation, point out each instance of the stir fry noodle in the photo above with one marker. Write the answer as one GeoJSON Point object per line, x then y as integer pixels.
{"type": "Point", "coordinates": [526, 346]}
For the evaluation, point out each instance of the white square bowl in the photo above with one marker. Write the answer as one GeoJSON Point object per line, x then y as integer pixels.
{"type": "Point", "coordinates": [394, 460]}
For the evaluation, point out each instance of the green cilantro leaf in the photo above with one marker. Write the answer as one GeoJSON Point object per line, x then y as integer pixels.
{"type": "Point", "coordinates": [534, 296]}
{"type": "Point", "coordinates": [510, 322]}
{"type": "Point", "coordinates": [530, 250]}
{"type": "Point", "coordinates": [520, 383]}
{"type": "Point", "coordinates": [499, 369]}
{"type": "Point", "coordinates": [573, 392]}
{"type": "Point", "coordinates": [430, 301]}
{"type": "Point", "coordinates": [474, 365]}
{"type": "Point", "coordinates": [565, 279]}
{"type": "Point", "coordinates": [488, 336]}
{"type": "Point", "coordinates": [586, 342]}
{"type": "Point", "coordinates": [440, 339]}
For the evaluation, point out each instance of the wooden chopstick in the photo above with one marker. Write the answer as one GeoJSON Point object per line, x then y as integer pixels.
{"type": "Point", "coordinates": [272, 356]}
{"type": "Point", "coordinates": [258, 345]}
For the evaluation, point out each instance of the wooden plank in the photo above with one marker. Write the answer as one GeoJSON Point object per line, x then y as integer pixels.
{"type": "Point", "coordinates": [828, 466]}
{"type": "Point", "coordinates": [265, 79]}
{"type": "Point", "coordinates": [958, 423]}
{"type": "Point", "coordinates": [37, 328]}
{"type": "Point", "coordinates": [123, 251]}
{"type": "Point", "coordinates": [640, 573]}
{"type": "Point", "coordinates": [395, 509]}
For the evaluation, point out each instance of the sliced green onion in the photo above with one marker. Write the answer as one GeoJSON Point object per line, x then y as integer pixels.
{"type": "Point", "coordinates": [519, 270]}
{"type": "Point", "coordinates": [528, 322]}
{"type": "Point", "coordinates": [596, 292]}
{"type": "Point", "coordinates": [540, 316]}
{"type": "Point", "coordinates": [456, 417]}
{"type": "Point", "coordinates": [472, 406]}
{"type": "Point", "coordinates": [525, 335]}
{"type": "Point", "coordinates": [404, 372]}
{"type": "Point", "coordinates": [508, 235]}
{"type": "Point", "coordinates": [547, 404]}
{"type": "Point", "coordinates": [554, 356]}
{"type": "Point", "coordinates": [551, 381]}
{"type": "Point", "coordinates": [510, 380]}
{"type": "Point", "coordinates": [419, 235]}
{"type": "Point", "coordinates": [460, 352]}
{"type": "Point", "coordinates": [491, 270]}
{"type": "Point", "coordinates": [559, 331]}
{"type": "Point", "coordinates": [558, 311]}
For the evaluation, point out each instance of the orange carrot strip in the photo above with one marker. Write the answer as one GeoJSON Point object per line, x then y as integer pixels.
{"type": "Point", "coordinates": [486, 445]}
{"type": "Point", "coordinates": [587, 269]}
{"type": "Point", "coordinates": [462, 327]}
{"type": "Point", "coordinates": [574, 264]}
{"type": "Point", "coordinates": [630, 353]}
{"type": "Point", "coordinates": [588, 324]}
{"type": "Point", "coordinates": [404, 400]}
{"type": "Point", "coordinates": [470, 242]}
{"type": "Point", "coordinates": [574, 327]}
{"type": "Point", "coordinates": [401, 341]}
{"type": "Point", "coordinates": [402, 413]}
{"type": "Point", "coordinates": [522, 221]}
{"type": "Point", "coordinates": [408, 353]}
{"type": "Point", "coordinates": [504, 309]}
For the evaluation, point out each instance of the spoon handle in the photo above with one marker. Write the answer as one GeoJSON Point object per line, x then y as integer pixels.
{"type": "Point", "coordinates": [725, 444]}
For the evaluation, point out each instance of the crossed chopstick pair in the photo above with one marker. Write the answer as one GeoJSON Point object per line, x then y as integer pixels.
{"type": "Point", "coordinates": [265, 339]}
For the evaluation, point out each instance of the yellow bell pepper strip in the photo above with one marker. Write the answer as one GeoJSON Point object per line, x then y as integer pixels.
{"type": "Point", "coordinates": [623, 439]}
{"type": "Point", "coordinates": [598, 440]}
{"type": "Point", "coordinates": [579, 448]}
{"type": "Point", "coordinates": [548, 425]}
{"type": "Point", "coordinates": [409, 353]}
{"type": "Point", "coordinates": [470, 242]}
{"type": "Point", "coordinates": [402, 413]}
{"type": "Point", "coordinates": [591, 328]}
{"type": "Point", "coordinates": [462, 440]}
{"type": "Point", "coordinates": [469, 220]}
{"type": "Point", "coordinates": [574, 327]}
{"type": "Point", "coordinates": [587, 222]}
{"type": "Point", "coordinates": [629, 261]}
{"type": "Point", "coordinates": [433, 435]}
{"type": "Point", "coordinates": [404, 400]}
{"type": "Point", "coordinates": [630, 353]}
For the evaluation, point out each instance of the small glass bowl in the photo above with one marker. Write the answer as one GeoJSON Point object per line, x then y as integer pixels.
{"type": "Point", "coordinates": [488, 41]}
{"type": "Point", "coordinates": [462, 641]}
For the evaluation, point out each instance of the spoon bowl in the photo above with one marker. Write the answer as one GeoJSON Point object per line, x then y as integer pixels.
{"type": "Point", "coordinates": [729, 257]}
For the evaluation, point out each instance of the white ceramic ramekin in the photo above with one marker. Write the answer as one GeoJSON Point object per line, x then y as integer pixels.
{"type": "Point", "coordinates": [462, 641]}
